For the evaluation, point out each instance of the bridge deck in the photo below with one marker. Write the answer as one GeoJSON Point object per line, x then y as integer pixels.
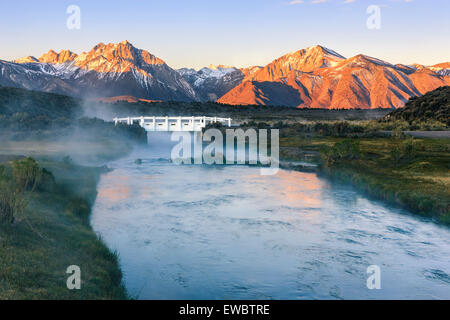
{"type": "Point", "coordinates": [173, 123]}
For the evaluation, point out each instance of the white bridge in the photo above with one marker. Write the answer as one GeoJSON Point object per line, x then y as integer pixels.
{"type": "Point", "coordinates": [173, 123]}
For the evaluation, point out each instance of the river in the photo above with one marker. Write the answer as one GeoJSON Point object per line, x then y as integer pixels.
{"type": "Point", "coordinates": [227, 232]}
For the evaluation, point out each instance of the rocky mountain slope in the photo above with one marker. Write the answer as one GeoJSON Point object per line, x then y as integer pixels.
{"type": "Point", "coordinates": [318, 77]}
{"type": "Point", "coordinates": [105, 71]}
{"type": "Point", "coordinates": [212, 82]}
{"type": "Point", "coordinates": [315, 77]}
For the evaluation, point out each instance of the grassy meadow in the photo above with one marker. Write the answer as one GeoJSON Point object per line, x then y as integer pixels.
{"type": "Point", "coordinates": [52, 233]}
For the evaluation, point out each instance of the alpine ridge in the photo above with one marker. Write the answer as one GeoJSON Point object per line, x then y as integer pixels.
{"type": "Point", "coordinates": [107, 70]}
{"type": "Point", "coordinates": [318, 77]}
{"type": "Point", "coordinates": [315, 77]}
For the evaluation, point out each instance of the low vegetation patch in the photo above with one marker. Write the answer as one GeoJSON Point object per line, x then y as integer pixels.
{"type": "Point", "coordinates": [46, 230]}
{"type": "Point", "coordinates": [412, 173]}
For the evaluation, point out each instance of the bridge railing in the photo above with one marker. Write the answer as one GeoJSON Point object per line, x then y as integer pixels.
{"type": "Point", "coordinates": [153, 123]}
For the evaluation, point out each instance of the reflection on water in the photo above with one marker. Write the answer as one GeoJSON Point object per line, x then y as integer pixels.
{"type": "Point", "coordinates": [226, 232]}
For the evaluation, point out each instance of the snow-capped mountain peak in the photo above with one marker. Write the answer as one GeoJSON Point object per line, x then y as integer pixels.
{"type": "Point", "coordinates": [28, 59]}
{"type": "Point", "coordinates": [107, 70]}
{"type": "Point", "coordinates": [315, 77]}
{"type": "Point", "coordinates": [57, 58]}
{"type": "Point", "coordinates": [212, 82]}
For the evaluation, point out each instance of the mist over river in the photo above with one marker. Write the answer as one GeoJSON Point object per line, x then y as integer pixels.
{"type": "Point", "coordinates": [227, 232]}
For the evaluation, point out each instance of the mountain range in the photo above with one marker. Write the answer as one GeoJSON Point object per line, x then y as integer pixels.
{"type": "Point", "coordinates": [315, 77]}
{"type": "Point", "coordinates": [105, 71]}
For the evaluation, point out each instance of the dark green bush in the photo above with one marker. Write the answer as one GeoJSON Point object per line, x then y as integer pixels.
{"type": "Point", "coordinates": [78, 207]}
{"type": "Point", "coordinates": [404, 152]}
{"type": "Point", "coordinates": [46, 182]}
{"type": "Point", "coordinates": [26, 174]}
{"type": "Point", "coordinates": [432, 110]}
{"type": "Point", "coordinates": [12, 200]}
{"type": "Point", "coordinates": [16, 184]}
{"type": "Point", "coordinates": [344, 150]}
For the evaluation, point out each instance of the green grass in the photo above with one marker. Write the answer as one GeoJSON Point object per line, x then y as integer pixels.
{"type": "Point", "coordinates": [53, 234]}
{"type": "Point", "coordinates": [420, 183]}
{"type": "Point", "coordinates": [80, 150]}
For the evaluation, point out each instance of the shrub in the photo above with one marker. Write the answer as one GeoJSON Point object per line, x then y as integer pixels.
{"type": "Point", "coordinates": [78, 207]}
{"type": "Point", "coordinates": [344, 150]}
{"type": "Point", "coordinates": [46, 181]}
{"type": "Point", "coordinates": [397, 133]}
{"type": "Point", "coordinates": [26, 174]}
{"type": "Point", "coordinates": [11, 200]}
{"type": "Point", "coordinates": [404, 152]}
{"type": "Point", "coordinates": [9, 203]}
{"type": "Point", "coordinates": [14, 187]}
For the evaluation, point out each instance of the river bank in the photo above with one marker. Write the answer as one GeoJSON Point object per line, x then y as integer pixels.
{"type": "Point", "coordinates": [417, 180]}
{"type": "Point", "coordinates": [54, 231]}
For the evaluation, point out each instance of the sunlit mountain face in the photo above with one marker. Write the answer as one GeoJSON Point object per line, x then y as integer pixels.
{"type": "Point", "coordinates": [318, 77]}
{"type": "Point", "coordinates": [315, 77]}
{"type": "Point", "coordinates": [105, 71]}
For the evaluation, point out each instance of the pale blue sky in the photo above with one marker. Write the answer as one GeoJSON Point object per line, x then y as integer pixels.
{"type": "Point", "coordinates": [196, 33]}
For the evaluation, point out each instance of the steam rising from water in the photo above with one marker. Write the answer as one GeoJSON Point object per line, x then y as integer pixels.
{"type": "Point", "coordinates": [226, 232]}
